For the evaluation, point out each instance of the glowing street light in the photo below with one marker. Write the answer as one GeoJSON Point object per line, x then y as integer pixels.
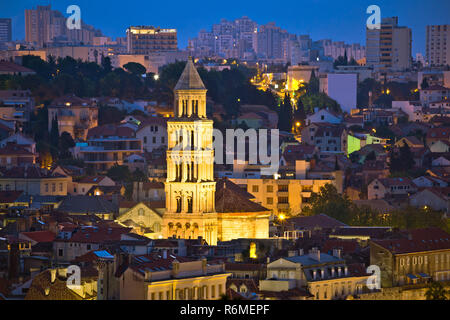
{"type": "Point", "coordinates": [156, 77]}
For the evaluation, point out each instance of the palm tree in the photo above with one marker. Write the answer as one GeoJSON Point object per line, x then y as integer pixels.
{"type": "Point", "coordinates": [436, 292]}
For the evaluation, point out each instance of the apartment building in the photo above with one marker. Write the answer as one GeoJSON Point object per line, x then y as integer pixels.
{"type": "Point", "coordinates": [74, 115]}
{"type": "Point", "coordinates": [108, 145]}
{"type": "Point", "coordinates": [326, 277]}
{"type": "Point", "coordinates": [438, 45]}
{"type": "Point", "coordinates": [34, 181]}
{"type": "Point", "coordinates": [5, 30]}
{"type": "Point", "coordinates": [148, 39]}
{"type": "Point", "coordinates": [389, 48]}
{"type": "Point", "coordinates": [16, 105]}
{"type": "Point", "coordinates": [291, 192]}
{"type": "Point", "coordinates": [327, 137]}
{"type": "Point", "coordinates": [44, 25]}
{"type": "Point", "coordinates": [164, 276]}
{"type": "Point", "coordinates": [422, 256]}
{"type": "Point", "coordinates": [153, 133]}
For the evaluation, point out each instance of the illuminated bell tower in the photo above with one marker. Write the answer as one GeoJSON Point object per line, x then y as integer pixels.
{"type": "Point", "coordinates": [190, 187]}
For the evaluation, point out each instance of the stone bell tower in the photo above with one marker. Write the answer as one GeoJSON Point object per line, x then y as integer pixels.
{"type": "Point", "coordinates": [190, 187]}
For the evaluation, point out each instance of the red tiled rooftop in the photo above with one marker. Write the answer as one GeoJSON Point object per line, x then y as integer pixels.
{"type": "Point", "coordinates": [40, 236]}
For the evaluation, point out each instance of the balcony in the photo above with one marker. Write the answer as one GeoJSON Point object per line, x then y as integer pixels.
{"type": "Point", "coordinates": [283, 206]}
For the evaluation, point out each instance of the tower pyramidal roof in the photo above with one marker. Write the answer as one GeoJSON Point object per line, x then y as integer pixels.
{"type": "Point", "coordinates": [190, 79]}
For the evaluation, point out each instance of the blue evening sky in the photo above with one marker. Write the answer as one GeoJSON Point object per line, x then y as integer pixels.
{"type": "Point", "coordinates": [339, 20]}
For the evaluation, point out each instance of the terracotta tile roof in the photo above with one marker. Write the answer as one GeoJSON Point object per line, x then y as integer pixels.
{"type": "Point", "coordinates": [58, 290]}
{"type": "Point", "coordinates": [225, 182]}
{"type": "Point", "coordinates": [373, 232]}
{"type": "Point", "coordinates": [151, 121]}
{"type": "Point", "coordinates": [435, 88]}
{"type": "Point", "coordinates": [388, 182]}
{"type": "Point", "coordinates": [426, 239]}
{"type": "Point", "coordinates": [251, 284]}
{"type": "Point", "coordinates": [40, 236]}
{"type": "Point", "coordinates": [108, 130]}
{"type": "Point", "coordinates": [9, 196]}
{"type": "Point", "coordinates": [149, 185]}
{"type": "Point", "coordinates": [96, 234]}
{"type": "Point", "coordinates": [298, 152]}
{"type": "Point", "coordinates": [72, 99]}
{"type": "Point", "coordinates": [318, 221]}
{"type": "Point", "coordinates": [6, 66]}
{"type": "Point", "coordinates": [155, 262]}
{"type": "Point", "coordinates": [231, 199]}
{"type": "Point", "coordinates": [441, 133]}
{"type": "Point", "coordinates": [347, 246]}
{"type": "Point", "coordinates": [90, 179]}
{"type": "Point", "coordinates": [333, 129]}
{"type": "Point", "coordinates": [6, 128]}
{"type": "Point", "coordinates": [31, 172]}
{"type": "Point", "coordinates": [86, 205]}
{"type": "Point", "coordinates": [105, 190]}
{"type": "Point", "coordinates": [12, 149]}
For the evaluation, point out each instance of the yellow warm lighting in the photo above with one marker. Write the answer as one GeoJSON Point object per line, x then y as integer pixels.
{"type": "Point", "coordinates": [281, 217]}
{"type": "Point", "coordinates": [388, 91]}
{"type": "Point", "coordinates": [252, 252]}
{"type": "Point", "coordinates": [297, 124]}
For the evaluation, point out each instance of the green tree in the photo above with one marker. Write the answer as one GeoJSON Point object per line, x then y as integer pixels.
{"type": "Point", "coordinates": [119, 173]}
{"type": "Point", "coordinates": [300, 114]}
{"type": "Point", "coordinates": [424, 84]}
{"type": "Point", "coordinates": [436, 291]}
{"type": "Point", "coordinates": [106, 65]}
{"type": "Point", "coordinates": [285, 114]}
{"type": "Point", "coordinates": [313, 86]}
{"type": "Point", "coordinates": [328, 201]}
{"type": "Point", "coordinates": [135, 68]}
{"type": "Point", "coordinates": [64, 144]}
{"type": "Point", "coordinates": [54, 137]}
{"type": "Point", "coordinates": [401, 161]}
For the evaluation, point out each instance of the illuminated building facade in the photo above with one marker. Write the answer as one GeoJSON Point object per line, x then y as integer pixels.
{"type": "Point", "coordinates": [147, 39]}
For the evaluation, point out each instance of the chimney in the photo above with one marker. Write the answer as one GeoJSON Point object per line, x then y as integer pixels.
{"type": "Point", "coordinates": [322, 273]}
{"type": "Point", "coordinates": [314, 254]}
{"type": "Point", "coordinates": [292, 253]}
{"type": "Point", "coordinates": [339, 271]}
{"type": "Point", "coordinates": [314, 274]}
{"type": "Point", "coordinates": [141, 188]}
{"type": "Point", "coordinates": [204, 266]}
{"type": "Point", "coordinates": [147, 275]}
{"type": "Point", "coordinates": [52, 275]}
{"type": "Point", "coordinates": [337, 253]}
{"type": "Point", "coordinates": [332, 272]}
{"type": "Point", "coordinates": [346, 270]}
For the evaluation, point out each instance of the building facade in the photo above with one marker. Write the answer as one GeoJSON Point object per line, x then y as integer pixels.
{"type": "Point", "coordinates": [148, 39]}
{"type": "Point", "coordinates": [438, 45]}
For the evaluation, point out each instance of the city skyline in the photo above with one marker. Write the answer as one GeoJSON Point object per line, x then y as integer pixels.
{"type": "Point", "coordinates": [117, 18]}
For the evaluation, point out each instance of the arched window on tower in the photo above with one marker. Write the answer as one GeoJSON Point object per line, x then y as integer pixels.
{"type": "Point", "coordinates": [178, 204]}
{"type": "Point", "coordinates": [189, 201]}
